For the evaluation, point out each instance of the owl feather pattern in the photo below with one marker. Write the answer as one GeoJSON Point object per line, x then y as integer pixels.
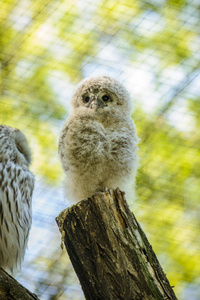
{"type": "Point", "coordinates": [16, 187]}
{"type": "Point", "coordinates": [98, 142]}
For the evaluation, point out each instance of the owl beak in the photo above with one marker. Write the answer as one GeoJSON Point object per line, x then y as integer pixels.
{"type": "Point", "coordinates": [93, 104]}
{"type": "Point", "coordinates": [96, 103]}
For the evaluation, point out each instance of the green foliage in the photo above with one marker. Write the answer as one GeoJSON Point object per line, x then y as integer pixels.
{"type": "Point", "coordinates": [168, 184]}
{"type": "Point", "coordinates": [194, 107]}
{"type": "Point", "coordinates": [169, 39]}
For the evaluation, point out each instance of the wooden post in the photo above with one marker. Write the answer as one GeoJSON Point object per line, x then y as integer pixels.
{"type": "Point", "coordinates": [109, 251]}
{"type": "Point", "coordinates": [11, 289]}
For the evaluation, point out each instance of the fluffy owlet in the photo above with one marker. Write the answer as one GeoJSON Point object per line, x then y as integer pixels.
{"type": "Point", "coordinates": [16, 187]}
{"type": "Point", "coordinates": [98, 142]}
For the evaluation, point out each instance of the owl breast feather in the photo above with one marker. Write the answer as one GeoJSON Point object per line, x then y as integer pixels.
{"type": "Point", "coordinates": [92, 144]}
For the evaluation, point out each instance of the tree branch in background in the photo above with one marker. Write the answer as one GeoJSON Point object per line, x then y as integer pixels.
{"type": "Point", "coordinates": [10, 289]}
{"type": "Point", "coordinates": [109, 251]}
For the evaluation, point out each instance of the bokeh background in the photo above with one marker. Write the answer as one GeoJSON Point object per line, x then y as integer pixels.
{"type": "Point", "coordinates": [153, 47]}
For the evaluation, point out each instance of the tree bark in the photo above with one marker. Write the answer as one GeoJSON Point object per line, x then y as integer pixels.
{"type": "Point", "coordinates": [109, 251]}
{"type": "Point", "coordinates": [11, 289]}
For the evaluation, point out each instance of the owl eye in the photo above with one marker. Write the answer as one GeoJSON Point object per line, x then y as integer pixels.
{"type": "Point", "coordinates": [86, 99]}
{"type": "Point", "coordinates": [105, 98]}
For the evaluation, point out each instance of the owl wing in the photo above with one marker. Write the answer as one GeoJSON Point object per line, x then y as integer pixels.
{"type": "Point", "coordinates": [61, 145]}
{"type": "Point", "coordinates": [16, 187]}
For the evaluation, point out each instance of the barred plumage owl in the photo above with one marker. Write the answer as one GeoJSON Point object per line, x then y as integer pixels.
{"type": "Point", "coordinates": [16, 187]}
{"type": "Point", "coordinates": [98, 142]}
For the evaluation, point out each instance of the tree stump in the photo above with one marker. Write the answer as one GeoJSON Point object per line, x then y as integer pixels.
{"type": "Point", "coordinates": [11, 289]}
{"type": "Point", "coordinates": [109, 251]}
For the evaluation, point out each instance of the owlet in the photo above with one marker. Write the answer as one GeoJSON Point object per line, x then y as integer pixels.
{"type": "Point", "coordinates": [98, 142]}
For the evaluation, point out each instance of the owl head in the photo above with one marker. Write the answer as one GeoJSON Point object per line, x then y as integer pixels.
{"type": "Point", "coordinates": [100, 95]}
{"type": "Point", "coordinates": [14, 146]}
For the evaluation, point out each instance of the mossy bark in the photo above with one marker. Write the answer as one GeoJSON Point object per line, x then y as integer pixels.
{"type": "Point", "coordinates": [11, 289]}
{"type": "Point", "coordinates": [110, 252]}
